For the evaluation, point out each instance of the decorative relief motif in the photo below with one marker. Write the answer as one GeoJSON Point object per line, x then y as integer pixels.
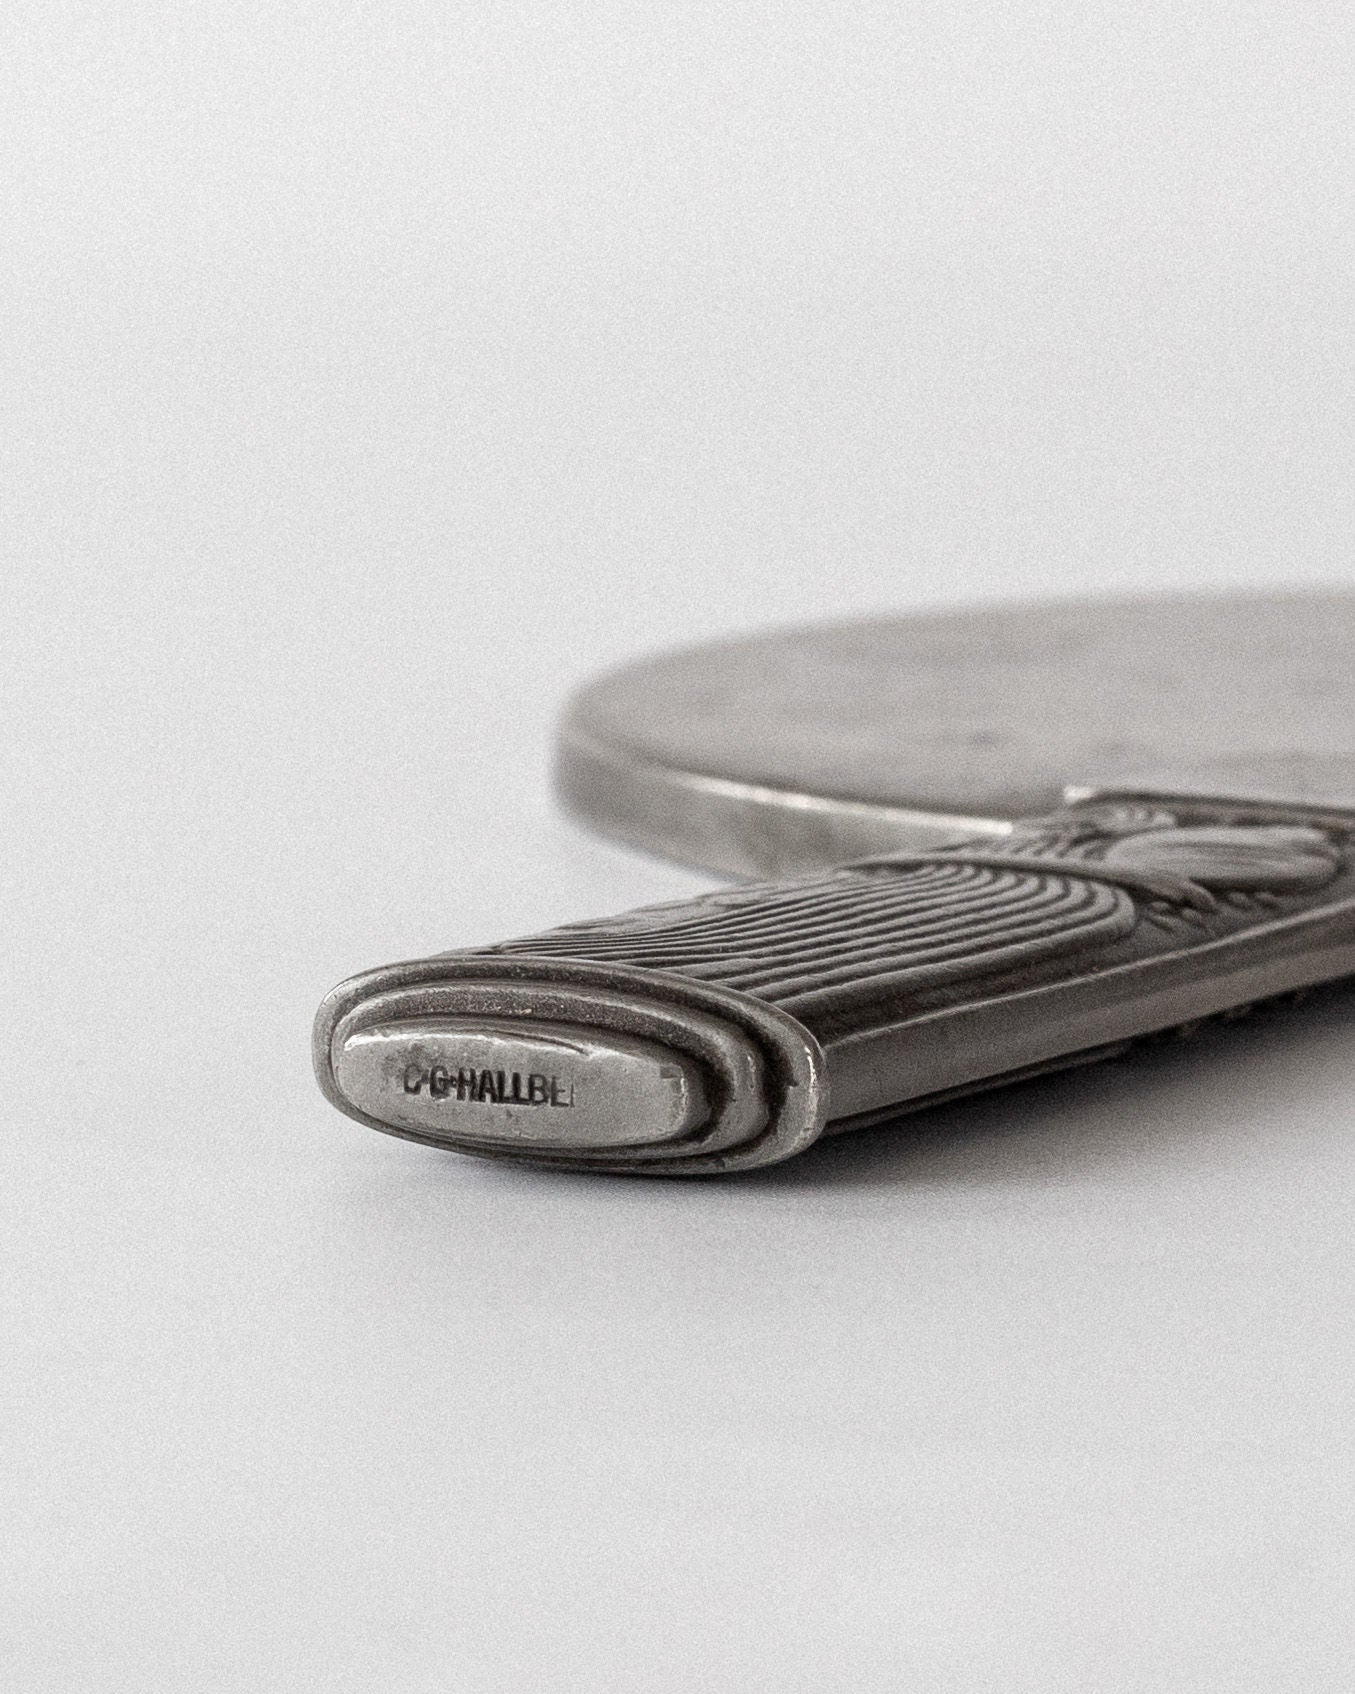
{"type": "Point", "coordinates": [1073, 882]}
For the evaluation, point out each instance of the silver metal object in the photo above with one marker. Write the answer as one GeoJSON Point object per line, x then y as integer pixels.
{"type": "Point", "coordinates": [1070, 827]}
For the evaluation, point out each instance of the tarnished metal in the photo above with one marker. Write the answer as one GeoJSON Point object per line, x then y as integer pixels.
{"type": "Point", "coordinates": [968, 948]}
{"type": "Point", "coordinates": [789, 750]}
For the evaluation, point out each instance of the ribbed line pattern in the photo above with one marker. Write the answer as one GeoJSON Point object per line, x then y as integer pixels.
{"type": "Point", "coordinates": [857, 933]}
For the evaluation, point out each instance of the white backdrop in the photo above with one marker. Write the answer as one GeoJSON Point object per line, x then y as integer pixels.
{"type": "Point", "coordinates": [372, 374]}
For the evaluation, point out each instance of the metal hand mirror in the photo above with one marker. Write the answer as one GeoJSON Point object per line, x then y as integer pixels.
{"type": "Point", "coordinates": [1003, 841]}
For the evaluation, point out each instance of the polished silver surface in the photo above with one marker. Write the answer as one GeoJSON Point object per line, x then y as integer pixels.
{"type": "Point", "coordinates": [1070, 828]}
{"type": "Point", "coordinates": [779, 752]}
{"type": "Point", "coordinates": [758, 1071]}
{"type": "Point", "coordinates": [520, 1083]}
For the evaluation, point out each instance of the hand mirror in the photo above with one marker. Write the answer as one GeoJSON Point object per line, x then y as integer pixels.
{"type": "Point", "coordinates": [984, 844]}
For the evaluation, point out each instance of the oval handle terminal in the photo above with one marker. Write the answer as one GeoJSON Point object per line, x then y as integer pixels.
{"type": "Point", "coordinates": [520, 1083]}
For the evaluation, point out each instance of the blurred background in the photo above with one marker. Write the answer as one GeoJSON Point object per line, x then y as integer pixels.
{"type": "Point", "coordinates": [372, 375]}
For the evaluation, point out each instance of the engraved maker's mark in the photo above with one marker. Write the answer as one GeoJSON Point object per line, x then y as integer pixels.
{"type": "Point", "coordinates": [488, 1087]}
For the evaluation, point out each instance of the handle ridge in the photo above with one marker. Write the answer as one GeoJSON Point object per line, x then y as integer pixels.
{"type": "Point", "coordinates": [868, 988]}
